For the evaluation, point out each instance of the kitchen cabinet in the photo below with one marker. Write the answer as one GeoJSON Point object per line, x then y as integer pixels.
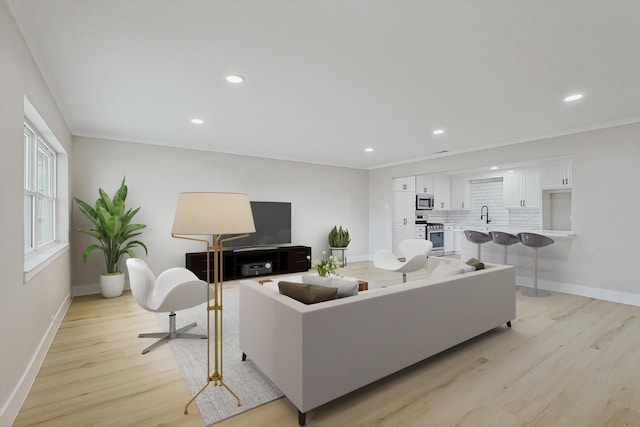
{"type": "Point", "coordinates": [521, 189]}
{"type": "Point", "coordinates": [400, 233]}
{"type": "Point", "coordinates": [449, 242]}
{"type": "Point", "coordinates": [405, 183]}
{"type": "Point", "coordinates": [424, 184]}
{"type": "Point", "coordinates": [459, 193]}
{"type": "Point", "coordinates": [404, 217]}
{"type": "Point", "coordinates": [441, 192]}
{"type": "Point", "coordinates": [457, 241]}
{"type": "Point", "coordinates": [404, 208]}
{"type": "Point", "coordinates": [556, 175]}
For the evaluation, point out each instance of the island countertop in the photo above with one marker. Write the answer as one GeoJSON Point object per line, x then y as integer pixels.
{"type": "Point", "coordinates": [485, 228]}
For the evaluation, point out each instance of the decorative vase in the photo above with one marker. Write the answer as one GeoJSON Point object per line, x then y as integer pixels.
{"type": "Point", "coordinates": [112, 285]}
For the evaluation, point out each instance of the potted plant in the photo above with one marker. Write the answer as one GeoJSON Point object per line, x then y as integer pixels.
{"type": "Point", "coordinates": [115, 232]}
{"type": "Point", "coordinates": [338, 241]}
{"type": "Point", "coordinates": [325, 267]}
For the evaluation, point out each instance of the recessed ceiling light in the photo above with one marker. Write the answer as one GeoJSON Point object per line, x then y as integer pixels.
{"type": "Point", "coordinates": [438, 131]}
{"type": "Point", "coordinates": [197, 121]}
{"type": "Point", "coordinates": [574, 97]}
{"type": "Point", "coordinates": [235, 79]}
{"type": "Point", "coordinates": [494, 168]}
{"type": "Point", "coordinates": [368, 150]}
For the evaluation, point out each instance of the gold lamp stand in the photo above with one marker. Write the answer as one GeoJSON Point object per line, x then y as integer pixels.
{"type": "Point", "coordinates": [213, 214]}
{"type": "Point", "coordinates": [216, 376]}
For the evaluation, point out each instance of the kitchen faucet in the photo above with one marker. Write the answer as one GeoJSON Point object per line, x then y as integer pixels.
{"type": "Point", "coordinates": [482, 216]}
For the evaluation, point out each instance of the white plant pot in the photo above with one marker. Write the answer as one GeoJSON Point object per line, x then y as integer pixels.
{"type": "Point", "coordinates": [112, 285]}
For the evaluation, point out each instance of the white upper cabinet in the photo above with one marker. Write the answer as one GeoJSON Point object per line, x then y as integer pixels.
{"type": "Point", "coordinates": [459, 193]}
{"type": "Point", "coordinates": [424, 184]}
{"type": "Point", "coordinates": [405, 183]}
{"type": "Point", "coordinates": [441, 192]}
{"type": "Point", "coordinates": [556, 175]}
{"type": "Point", "coordinates": [522, 189]}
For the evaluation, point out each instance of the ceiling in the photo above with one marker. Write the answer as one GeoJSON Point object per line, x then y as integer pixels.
{"type": "Point", "coordinates": [326, 79]}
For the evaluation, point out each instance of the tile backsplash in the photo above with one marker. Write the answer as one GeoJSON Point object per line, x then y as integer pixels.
{"type": "Point", "coordinates": [488, 192]}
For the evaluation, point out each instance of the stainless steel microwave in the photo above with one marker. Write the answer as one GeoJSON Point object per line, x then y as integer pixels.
{"type": "Point", "coordinates": [424, 202]}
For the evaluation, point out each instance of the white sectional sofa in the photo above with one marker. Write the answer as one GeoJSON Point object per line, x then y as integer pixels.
{"type": "Point", "coordinates": [317, 353]}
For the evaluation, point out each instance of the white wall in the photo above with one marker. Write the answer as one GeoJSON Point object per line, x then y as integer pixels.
{"type": "Point", "coordinates": [321, 197]}
{"type": "Point", "coordinates": [29, 312]}
{"type": "Point", "coordinates": [605, 198]}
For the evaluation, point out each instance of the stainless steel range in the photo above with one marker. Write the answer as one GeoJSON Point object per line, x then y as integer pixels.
{"type": "Point", "coordinates": [435, 233]}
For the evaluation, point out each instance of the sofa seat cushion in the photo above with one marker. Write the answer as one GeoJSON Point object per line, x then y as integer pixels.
{"type": "Point", "coordinates": [307, 293]}
{"type": "Point", "coordinates": [346, 288]}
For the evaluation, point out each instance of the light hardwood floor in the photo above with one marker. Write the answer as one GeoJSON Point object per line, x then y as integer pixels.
{"type": "Point", "coordinates": [567, 361]}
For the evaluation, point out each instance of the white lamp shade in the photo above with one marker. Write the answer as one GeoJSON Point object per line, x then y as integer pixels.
{"type": "Point", "coordinates": [213, 213]}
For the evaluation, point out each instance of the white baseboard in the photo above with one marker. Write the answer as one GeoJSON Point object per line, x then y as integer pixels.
{"type": "Point", "coordinates": [90, 289]}
{"type": "Point", "coordinates": [9, 411]}
{"type": "Point", "coordinates": [584, 291]}
{"type": "Point", "coordinates": [80, 290]}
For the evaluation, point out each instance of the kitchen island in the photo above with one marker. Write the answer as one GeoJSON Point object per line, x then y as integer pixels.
{"type": "Point", "coordinates": [551, 259]}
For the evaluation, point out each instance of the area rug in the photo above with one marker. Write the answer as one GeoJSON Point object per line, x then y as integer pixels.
{"type": "Point", "coordinates": [244, 378]}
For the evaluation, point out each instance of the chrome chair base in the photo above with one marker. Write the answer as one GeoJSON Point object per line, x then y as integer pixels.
{"type": "Point", "coordinates": [173, 333]}
{"type": "Point", "coordinates": [533, 292]}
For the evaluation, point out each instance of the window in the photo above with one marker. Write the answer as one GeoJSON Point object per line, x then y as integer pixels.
{"type": "Point", "coordinates": [46, 194]}
{"type": "Point", "coordinates": [39, 191]}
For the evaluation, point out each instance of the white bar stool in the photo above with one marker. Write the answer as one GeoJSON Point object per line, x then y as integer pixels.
{"type": "Point", "coordinates": [535, 241]}
{"type": "Point", "coordinates": [478, 238]}
{"type": "Point", "coordinates": [505, 240]}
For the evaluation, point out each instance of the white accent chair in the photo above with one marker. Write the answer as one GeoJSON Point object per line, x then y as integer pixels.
{"type": "Point", "coordinates": [415, 251]}
{"type": "Point", "coordinates": [174, 289]}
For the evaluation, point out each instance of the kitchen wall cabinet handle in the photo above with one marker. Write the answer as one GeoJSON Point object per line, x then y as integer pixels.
{"type": "Point", "coordinates": [404, 186]}
{"type": "Point", "coordinates": [405, 221]}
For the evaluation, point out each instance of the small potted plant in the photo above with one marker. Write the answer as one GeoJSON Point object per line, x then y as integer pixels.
{"type": "Point", "coordinates": [338, 241]}
{"type": "Point", "coordinates": [326, 267]}
{"type": "Point", "coordinates": [115, 232]}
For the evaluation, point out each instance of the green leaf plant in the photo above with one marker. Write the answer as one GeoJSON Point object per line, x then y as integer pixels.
{"type": "Point", "coordinates": [112, 228]}
{"type": "Point", "coordinates": [339, 237]}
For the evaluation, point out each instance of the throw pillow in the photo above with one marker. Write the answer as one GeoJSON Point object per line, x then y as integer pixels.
{"type": "Point", "coordinates": [346, 288]}
{"type": "Point", "coordinates": [444, 269]}
{"type": "Point", "coordinates": [475, 263]}
{"type": "Point", "coordinates": [306, 293]}
{"type": "Point", "coordinates": [450, 268]}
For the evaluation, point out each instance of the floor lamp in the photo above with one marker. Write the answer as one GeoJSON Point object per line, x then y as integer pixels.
{"type": "Point", "coordinates": [215, 215]}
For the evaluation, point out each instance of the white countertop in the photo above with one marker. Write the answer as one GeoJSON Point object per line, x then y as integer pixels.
{"type": "Point", "coordinates": [513, 230]}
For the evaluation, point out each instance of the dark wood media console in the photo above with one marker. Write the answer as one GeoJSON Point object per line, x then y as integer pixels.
{"type": "Point", "coordinates": [239, 264]}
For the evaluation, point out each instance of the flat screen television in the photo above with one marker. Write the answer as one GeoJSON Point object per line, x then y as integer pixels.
{"type": "Point", "coordinates": [273, 226]}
